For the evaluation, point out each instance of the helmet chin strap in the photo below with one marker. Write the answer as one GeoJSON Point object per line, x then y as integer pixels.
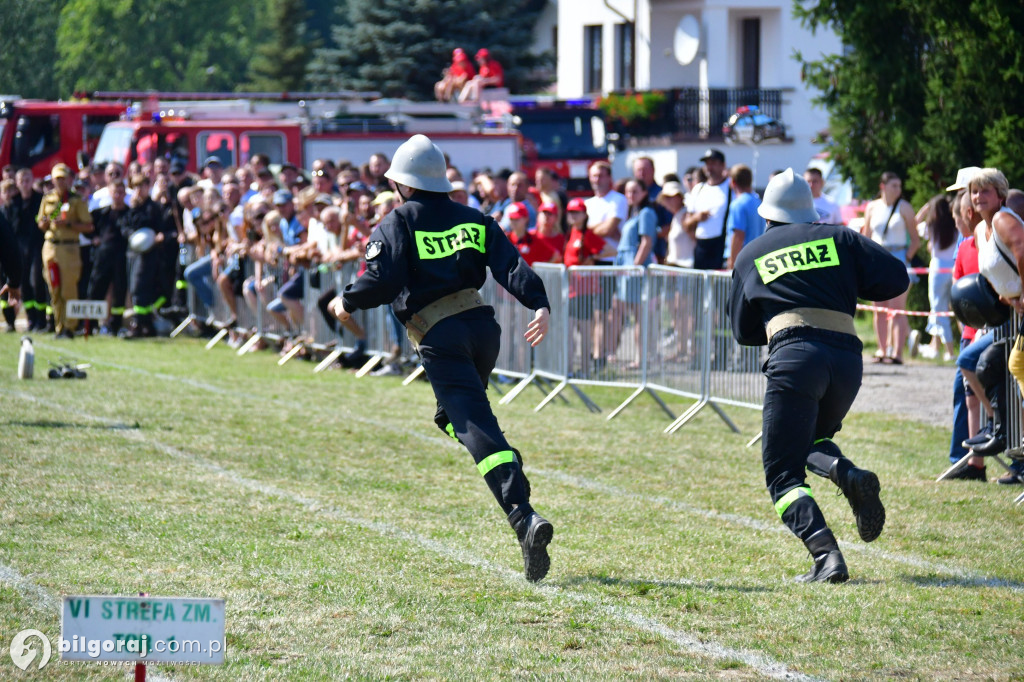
{"type": "Point", "coordinates": [398, 188]}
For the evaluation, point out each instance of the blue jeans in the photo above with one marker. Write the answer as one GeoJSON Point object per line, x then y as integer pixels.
{"type": "Point", "coordinates": [200, 276]}
{"type": "Point", "coordinates": [960, 431]}
{"type": "Point", "coordinates": [970, 352]}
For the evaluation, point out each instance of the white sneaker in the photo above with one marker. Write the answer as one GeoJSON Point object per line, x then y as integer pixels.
{"type": "Point", "coordinates": [928, 352]}
{"type": "Point", "coordinates": [914, 342]}
{"type": "Point", "coordinates": [389, 370]}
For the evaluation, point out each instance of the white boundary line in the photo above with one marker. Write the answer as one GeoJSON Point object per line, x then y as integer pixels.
{"type": "Point", "coordinates": [40, 598]}
{"type": "Point", "coordinates": [689, 643]}
{"type": "Point", "coordinates": [966, 577]}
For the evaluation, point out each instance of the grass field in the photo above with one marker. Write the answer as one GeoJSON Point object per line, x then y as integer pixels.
{"type": "Point", "coordinates": [350, 539]}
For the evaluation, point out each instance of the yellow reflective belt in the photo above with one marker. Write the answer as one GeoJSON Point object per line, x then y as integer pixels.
{"type": "Point", "coordinates": [789, 498]}
{"type": "Point", "coordinates": [498, 458]}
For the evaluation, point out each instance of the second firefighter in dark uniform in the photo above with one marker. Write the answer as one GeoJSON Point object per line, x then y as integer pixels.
{"type": "Point", "coordinates": [795, 288]}
{"type": "Point", "coordinates": [428, 258]}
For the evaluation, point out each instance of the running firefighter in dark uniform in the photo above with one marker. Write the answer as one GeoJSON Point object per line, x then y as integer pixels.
{"type": "Point", "coordinates": [795, 289]}
{"type": "Point", "coordinates": [428, 258]}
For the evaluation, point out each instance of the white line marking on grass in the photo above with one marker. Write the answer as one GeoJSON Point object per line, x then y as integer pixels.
{"type": "Point", "coordinates": [710, 649]}
{"type": "Point", "coordinates": [40, 598]}
{"type": "Point", "coordinates": [35, 595]}
{"type": "Point", "coordinates": [966, 578]}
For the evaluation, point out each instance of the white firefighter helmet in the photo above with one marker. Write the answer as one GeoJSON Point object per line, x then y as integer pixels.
{"type": "Point", "coordinates": [788, 199]}
{"type": "Point", "coordinates": [142, 240]}
{"type": "Point", "coordinates": [419, 163]}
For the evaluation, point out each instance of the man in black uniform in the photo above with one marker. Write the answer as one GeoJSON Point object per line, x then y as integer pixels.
{"type": "Point", "coordinates": [109, 258]}
{"type": "Point", "coordinates": [25, 208]}
{"type": "Point", "coordinates": [145, 267]}
{"type": "Point", "coordinates": [795, 288]}
{"type": "Point", "coordinates": [428, 258]}
{"type": "Point", "coordinates": [10, 264]}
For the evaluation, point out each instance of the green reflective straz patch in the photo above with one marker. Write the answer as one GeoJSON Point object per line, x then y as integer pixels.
{"type": "Point", "coordinates": [431, 245]}
{"type": "Point", "coordinates": [821, 253]}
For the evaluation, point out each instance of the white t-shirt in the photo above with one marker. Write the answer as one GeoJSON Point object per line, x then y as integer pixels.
{"type": "Point", "coordinates": [325, 241]}
{"type": "Point", "coordinates": [710, 198]}
{"type": "Point", "coordinates": [829, 210]}
{"type": "Point", "coordinates": [611, 205]}
{"type": "Point", "coordinates": [992, 266]}
{"type": "Point", "coordinates": [680, 243]}
{"type": "Point", "coordinates": [235, 220]}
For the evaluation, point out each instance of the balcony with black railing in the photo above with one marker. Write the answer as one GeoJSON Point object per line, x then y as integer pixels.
{"type": "Point", "coordinates": [684, 114]}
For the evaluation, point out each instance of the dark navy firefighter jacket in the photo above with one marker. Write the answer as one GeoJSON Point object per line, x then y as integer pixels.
{"type": "Point", "coordinates": [430, 247]}
{"type": "Point", "coordinates": [799, 265]}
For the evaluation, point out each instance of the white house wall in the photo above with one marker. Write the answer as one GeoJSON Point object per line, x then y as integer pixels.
{"type": "Point", "coordinates": [657, 68]}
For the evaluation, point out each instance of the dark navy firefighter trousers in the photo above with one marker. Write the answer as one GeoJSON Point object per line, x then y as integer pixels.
{"type": "Point", "coordinates": [458, 354]}
{"type": "Point", "coordinates": [813, 377]}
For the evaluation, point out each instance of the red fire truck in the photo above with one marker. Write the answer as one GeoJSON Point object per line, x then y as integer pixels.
{"type": "Point", "coordinates": [38, 134]}
{"type": "Point", "coordinates": [298, 132]}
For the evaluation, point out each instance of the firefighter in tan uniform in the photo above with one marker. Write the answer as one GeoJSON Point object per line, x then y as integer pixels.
{"type": "Point", "coordinates": [63, 215]}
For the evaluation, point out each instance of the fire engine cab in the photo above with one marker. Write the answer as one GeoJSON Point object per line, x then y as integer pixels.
{"type": "Point", "coordinates": [37, 134]}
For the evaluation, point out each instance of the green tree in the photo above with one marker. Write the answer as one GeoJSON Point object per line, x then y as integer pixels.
{"type": "Point", "coordinates": [28, 30]}
{"type": "Point", "coordinates": [399, 47]}
{"type": "Point", "coordinates": [921, 88]}
{"type": "Point", "coordinates": [279, 63]}
{"type": "Point", "coordinates": [157, 44]}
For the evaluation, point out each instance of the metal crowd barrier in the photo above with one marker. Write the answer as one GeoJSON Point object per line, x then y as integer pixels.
{"type": "Point", "coordinates": [659, 330]}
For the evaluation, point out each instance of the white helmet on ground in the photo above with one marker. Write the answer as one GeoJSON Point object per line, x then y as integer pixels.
{"type": "Point", "coordinates": [142, 240]}
{"type": "Point", "coordinates": [788, 199]}
{"type": "Point", "coordinates": [419, 163]}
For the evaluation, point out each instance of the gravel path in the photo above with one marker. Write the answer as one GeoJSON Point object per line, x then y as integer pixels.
{"type": "Point", "coordinates": [920, 391]}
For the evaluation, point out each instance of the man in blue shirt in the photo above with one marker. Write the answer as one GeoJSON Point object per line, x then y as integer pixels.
{"type": "Point", "coordinates": [291, 233]}
{"type": "Point", "coordinates": [744, 224]}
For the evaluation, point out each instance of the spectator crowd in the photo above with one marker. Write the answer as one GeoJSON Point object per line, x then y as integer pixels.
{"type": "Point", "coordinates": [248, 236]}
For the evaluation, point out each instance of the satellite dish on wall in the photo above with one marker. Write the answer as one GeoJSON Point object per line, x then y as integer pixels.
{"type": "Point", "coordinates": [686, 41]}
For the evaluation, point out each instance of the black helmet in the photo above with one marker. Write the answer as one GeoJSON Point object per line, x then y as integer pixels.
{"type": "Point", "coordinates": [976, 304]}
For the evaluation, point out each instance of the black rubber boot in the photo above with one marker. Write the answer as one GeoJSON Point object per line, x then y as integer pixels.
{"type": "Point", "coordinates": [534, 533]}
{"type": "Point", "coordinates": [829, 565]}
{"type": "Point", "coordinates": [861, 488]}
{"type": "Point", "coordinates": [522, 472]}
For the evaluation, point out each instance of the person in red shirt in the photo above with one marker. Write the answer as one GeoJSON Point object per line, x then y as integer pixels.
{"type": "Point", "coordinates": [583, 247]}
{"type": "Point", "coordinates": [491, 75]}
{"type": "Point", "coordinates": [967, 386]}
{"type": "Point", "coordinates": [455, 77]}
{"type": "Point", "coordinates": [549, 230]}
{"type": "Point", "coordinates": [531, 248]}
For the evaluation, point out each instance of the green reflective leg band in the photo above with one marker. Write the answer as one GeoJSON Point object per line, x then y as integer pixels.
{"type": "Point", "coordinates": [117, 311]}
{"type": "Point", "coordinates": [159, 303]}
{"type": "Point", "coordinates": [49, 309]}
{"type": "Point", "coordinates": [181, 284]}
{"type": "Point", "coordinates": [789, 498]}
{"type": "Point", "coordinates": [4, 305]}
{"type": "Point", "coordinates": [450, 430]}
{"type": "Point", "coordinates": [142, 309]}
{"type": "Point", "coordinates": [491, 461]}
